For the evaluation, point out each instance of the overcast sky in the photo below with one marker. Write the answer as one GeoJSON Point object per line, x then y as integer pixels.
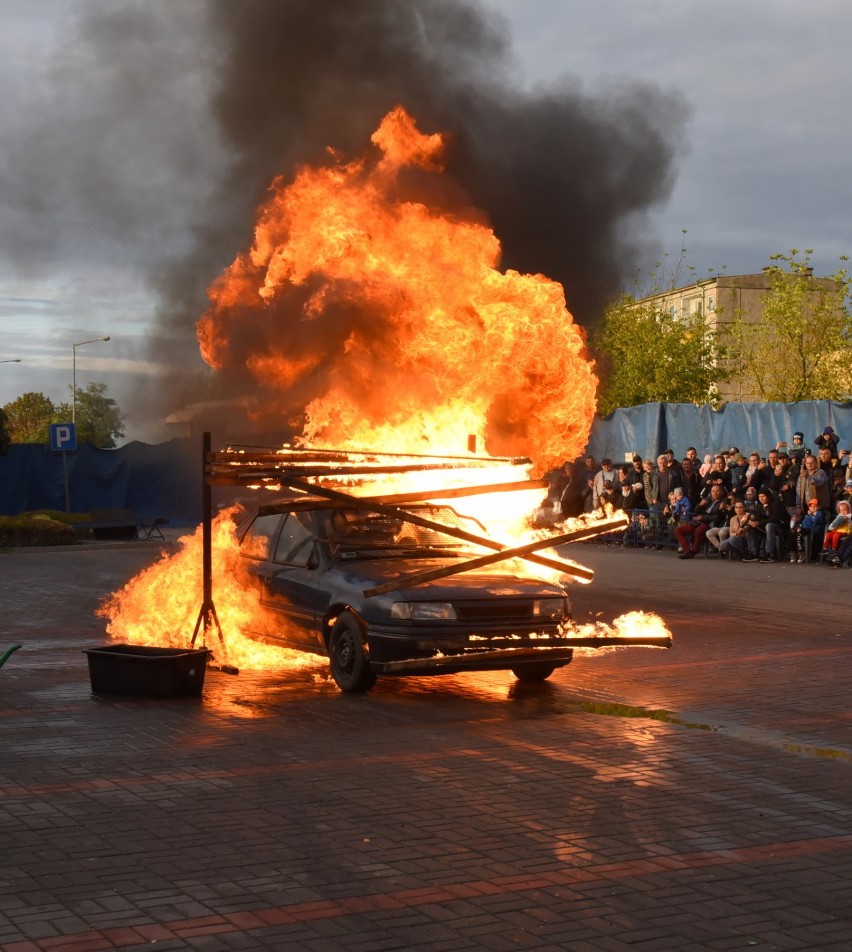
{"type": "Point", "coordinates": [762, 165]}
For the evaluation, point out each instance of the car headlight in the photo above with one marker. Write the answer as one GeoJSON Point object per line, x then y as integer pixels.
{"type": "Point", "coordinates": [424, 611]}
{"type": "Point", "coordinates": [550, 608]}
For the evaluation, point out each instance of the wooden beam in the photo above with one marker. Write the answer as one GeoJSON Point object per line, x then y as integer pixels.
{"type": "Point", "coordinates": [230, 474]}
{"type": "Point", "coordinates": [521, 551]}
{"type": "Point", "coordinates": [564, 567]}
{"type": "Point", "coordinates": [313, 502]}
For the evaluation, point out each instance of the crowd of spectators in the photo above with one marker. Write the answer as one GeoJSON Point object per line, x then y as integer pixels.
{"type": "Point", "coordinates": [794, 503]}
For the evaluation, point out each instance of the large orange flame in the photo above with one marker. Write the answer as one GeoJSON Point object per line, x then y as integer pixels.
{"type": "Point", "coordinates": [371, 299]}
{"type": "Point", "coordinates": [372, 302]}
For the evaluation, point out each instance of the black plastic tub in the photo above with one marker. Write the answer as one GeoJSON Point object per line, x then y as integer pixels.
{"type": "Point", "coordinates": [147, 670]}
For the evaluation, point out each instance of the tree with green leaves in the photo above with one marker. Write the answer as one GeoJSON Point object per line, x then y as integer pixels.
{"type": "Point", "coordinates": [98, 418]}
{"type": "Point", "coordinates": [645, 354]}
{"type": "Point", "coordinates": [5, 439]}
{"type": "Point", "coordinates": [801, 349]}
{"type": "Point", "coordinates": [29, 418]}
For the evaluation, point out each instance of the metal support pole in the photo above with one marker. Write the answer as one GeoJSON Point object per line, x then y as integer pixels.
{"type": "Point", "coordinates": [65, 480]}
{"type": "Point", "coordinates": [207, 615]}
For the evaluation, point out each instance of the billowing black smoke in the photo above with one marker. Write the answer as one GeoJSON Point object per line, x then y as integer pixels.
{"type": "Point", "coordinates": [170, 121]}
{"type": "Point", "coordinates": [561, 175]}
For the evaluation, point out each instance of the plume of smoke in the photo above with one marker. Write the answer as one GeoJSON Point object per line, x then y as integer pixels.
{"type": "Point", "coordinates": [171, 125]}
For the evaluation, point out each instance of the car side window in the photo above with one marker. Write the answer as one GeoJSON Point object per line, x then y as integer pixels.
{"type": "Point", "coordinates": [295, 542]}
{"type": "Point", "coordinates": [256, 541]}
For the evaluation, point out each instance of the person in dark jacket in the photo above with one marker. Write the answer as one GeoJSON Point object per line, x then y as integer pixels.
{"type": "Point", "coordinates": [691, 482]}
{"type": "Point", "coordinates": [828, 438]}
{"type": "Point", "coordinates": [711, 512]}
{"type": "Point", "coordinates": [772, 520]}
{"type": "Point", "coordinates": [573, 496]}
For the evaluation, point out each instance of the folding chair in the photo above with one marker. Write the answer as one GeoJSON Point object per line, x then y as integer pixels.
{"type": "Point", "coordinates": [152, 529]}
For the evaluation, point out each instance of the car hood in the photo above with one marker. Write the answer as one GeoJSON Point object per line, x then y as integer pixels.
{"type": "Point", "coordinates": [480, 583]}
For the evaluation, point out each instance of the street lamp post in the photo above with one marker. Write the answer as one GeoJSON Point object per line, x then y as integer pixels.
{"type": "Point", "coordinates": [74, 347]}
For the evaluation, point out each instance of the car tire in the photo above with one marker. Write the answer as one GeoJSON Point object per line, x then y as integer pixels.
{"type": "Point", "coordinates": [533, 673]}
{"type": "Point", "coordinates": [347, 655]}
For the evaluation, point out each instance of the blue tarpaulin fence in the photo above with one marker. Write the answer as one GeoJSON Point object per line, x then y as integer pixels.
{"type": "Point", "coordinates": [162, 479]}
{"type": "Point", "coordinates": [165, 479]}
{"type": "Point", "coordinates": [653, 427]}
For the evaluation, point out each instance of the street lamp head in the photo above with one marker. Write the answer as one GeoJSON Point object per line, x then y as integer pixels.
{"type": "Point", "coordinates": [74, 347]}
{"type": "Point", "coordinates": [94, 340]}
{"type": "Point", "coordinates": [11, 360]}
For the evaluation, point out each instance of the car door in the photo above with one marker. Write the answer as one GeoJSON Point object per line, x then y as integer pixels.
{"type": "Point", "coordinates": [292, 583]}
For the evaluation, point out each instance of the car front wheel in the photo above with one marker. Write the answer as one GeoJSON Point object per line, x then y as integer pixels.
{"type": "Point", "coordinates": [347, 656]}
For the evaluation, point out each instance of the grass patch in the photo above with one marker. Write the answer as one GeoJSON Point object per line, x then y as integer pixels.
{"type": "Point", "coordinates": [611, 709]}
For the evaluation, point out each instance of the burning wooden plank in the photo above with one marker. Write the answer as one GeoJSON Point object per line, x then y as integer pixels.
{"type": "Point", "coordinates": [521, 551]}
{"type": "Point", "coordinates": [501, 550]}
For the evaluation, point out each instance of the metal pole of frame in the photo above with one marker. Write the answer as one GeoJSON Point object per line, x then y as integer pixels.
{"type": "Point", "coordinates": [65, 481]}
{"type": "Point", "coordinates": [207, 615]}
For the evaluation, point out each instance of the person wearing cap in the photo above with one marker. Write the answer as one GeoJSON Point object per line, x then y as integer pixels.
{"type": "Point", "coordinates": [797, 449]}
{"type": "Point", "coordinates": [829, 439]}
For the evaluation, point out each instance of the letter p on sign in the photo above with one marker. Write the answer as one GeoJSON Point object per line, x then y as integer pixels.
{"type": "Point", "coordinates": [63, 436]}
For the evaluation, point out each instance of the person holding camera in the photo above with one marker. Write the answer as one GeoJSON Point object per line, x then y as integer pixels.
{"type": "Point", "coordinates": [741, 535]}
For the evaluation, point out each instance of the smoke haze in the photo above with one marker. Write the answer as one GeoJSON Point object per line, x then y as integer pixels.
{"type": "Point", "coordinates": [171, 120]}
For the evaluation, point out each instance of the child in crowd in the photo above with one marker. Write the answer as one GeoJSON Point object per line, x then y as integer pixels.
{"type": "Point", "coordinates": [797, 450]}
{"type": "Point", "coordinates": [813, 524]}
{"type": "Point", "coordinates": [838, 528]}
{"type": "Point", "coordinates": [680, 507]}
{"type": "Point", "coordinates": [803, 525]}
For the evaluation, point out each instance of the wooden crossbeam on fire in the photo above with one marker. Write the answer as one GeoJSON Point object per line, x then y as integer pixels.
{"type": "Point", "coordinates": [230, 468]}
{"type": "Point", "coordinates": [501, 553]}
{"type": "Point", "coordinates": [398, 499]}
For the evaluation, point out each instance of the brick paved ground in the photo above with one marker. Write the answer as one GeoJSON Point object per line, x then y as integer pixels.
{"type": "Point", "coordinates": [440, 814]}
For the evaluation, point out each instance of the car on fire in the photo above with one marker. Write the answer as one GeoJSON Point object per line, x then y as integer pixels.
{"type": "Point", "coordinates": [330, 573]}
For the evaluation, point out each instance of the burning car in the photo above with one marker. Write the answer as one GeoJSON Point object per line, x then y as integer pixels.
{"type": "Point", "coordinates": [355, 586]}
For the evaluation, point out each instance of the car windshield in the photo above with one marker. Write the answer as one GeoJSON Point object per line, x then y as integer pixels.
{"type": "Point", "coordinates": [357, 532]}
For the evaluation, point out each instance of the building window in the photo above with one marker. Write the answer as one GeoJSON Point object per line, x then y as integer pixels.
{"type": "Point", "coordinates": [710, 303]}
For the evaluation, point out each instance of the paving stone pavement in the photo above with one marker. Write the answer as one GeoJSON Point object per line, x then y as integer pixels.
{"type": "Point", "coordinates": [452, 813]}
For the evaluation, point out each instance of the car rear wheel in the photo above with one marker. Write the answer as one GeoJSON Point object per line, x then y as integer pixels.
{"type": "Point", "coordinates": [531, 673]}
{"type": "Point", "coordinates": [347, 656]}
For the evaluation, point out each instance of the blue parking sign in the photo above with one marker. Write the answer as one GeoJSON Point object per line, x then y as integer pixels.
{"type": "Point", "coordinates": [63, 436]}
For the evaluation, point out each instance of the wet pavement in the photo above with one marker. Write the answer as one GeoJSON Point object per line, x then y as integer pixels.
{"type": "Point", "coordinates": [697, 798]}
